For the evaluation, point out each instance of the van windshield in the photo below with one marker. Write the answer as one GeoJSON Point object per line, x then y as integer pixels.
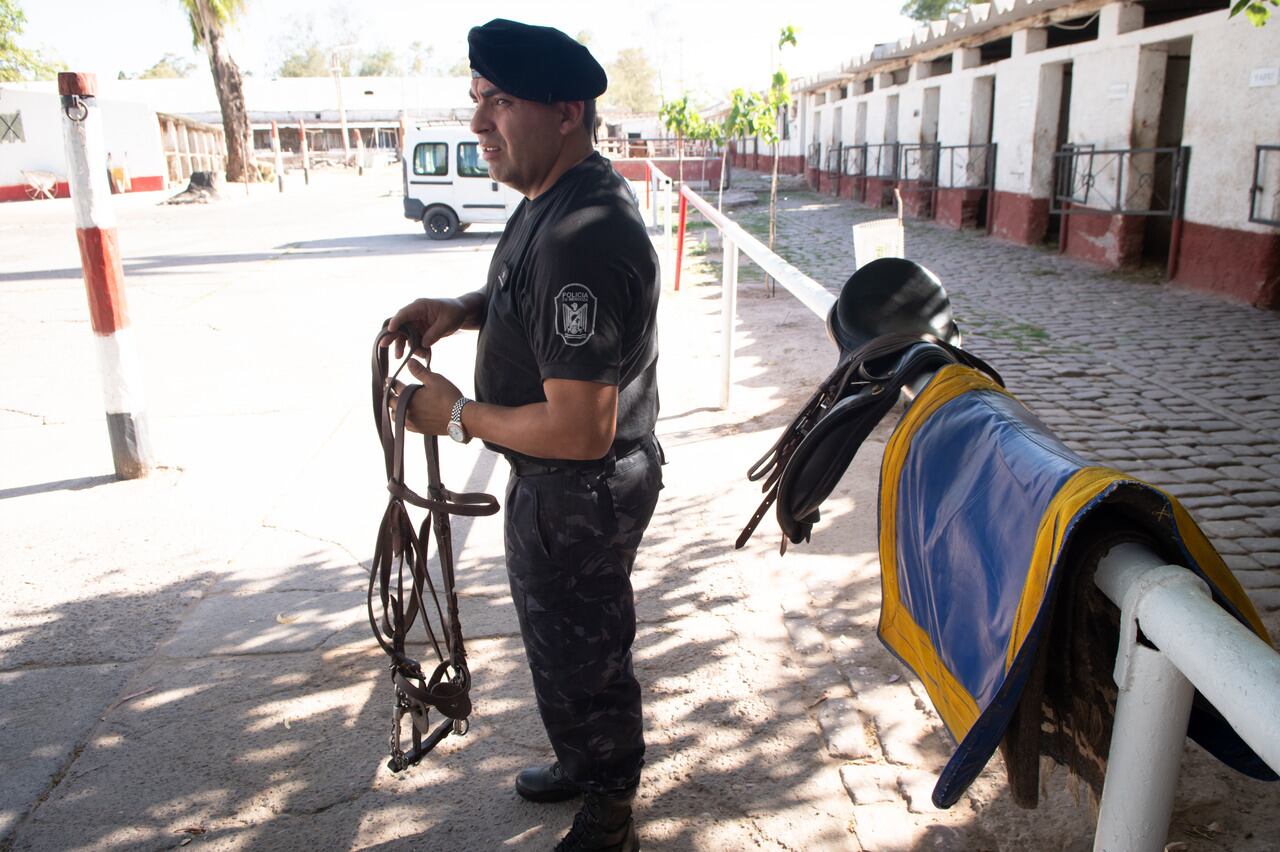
{"type": "Point", "coordinates": [469, 162]}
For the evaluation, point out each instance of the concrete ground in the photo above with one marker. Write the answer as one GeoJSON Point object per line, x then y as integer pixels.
{"type": "Point", "coordinates": [186, 659]}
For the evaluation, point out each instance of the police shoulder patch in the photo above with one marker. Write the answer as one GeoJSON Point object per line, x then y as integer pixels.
{"type": "Point", "coordinates": [575, 311]}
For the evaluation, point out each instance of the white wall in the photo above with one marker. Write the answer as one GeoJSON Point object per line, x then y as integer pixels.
{"type": "Point", "coordinates": [131, 134]}
{"type": "Point", "coordinates": [1115, 98]}
{"type": "Point", "coordinates": [1226, 118]}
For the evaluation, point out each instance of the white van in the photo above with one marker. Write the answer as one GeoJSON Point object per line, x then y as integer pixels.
{"type": "Point", "coordinates": [447, 185]}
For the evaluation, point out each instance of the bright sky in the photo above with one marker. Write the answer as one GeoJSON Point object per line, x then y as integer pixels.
{"type": "Point", "coordinates": [705, 46]}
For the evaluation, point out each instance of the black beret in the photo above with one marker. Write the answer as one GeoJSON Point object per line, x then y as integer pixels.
{"type": "Point", "coordinates": [534, 63]}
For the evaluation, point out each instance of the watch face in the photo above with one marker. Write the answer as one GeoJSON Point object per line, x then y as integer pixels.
{"type": "Point", "coordinates": [457, 433]}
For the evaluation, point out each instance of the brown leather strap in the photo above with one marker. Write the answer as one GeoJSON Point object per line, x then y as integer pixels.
{"type": "Point", "coordinates": [400, 547]}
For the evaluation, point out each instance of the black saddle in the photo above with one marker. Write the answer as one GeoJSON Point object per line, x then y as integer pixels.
{"type": "Point", "coordinates": [893, 325]}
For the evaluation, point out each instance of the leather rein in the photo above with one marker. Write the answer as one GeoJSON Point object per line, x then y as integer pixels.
{"type": "Point", "coordinates": [806, 463]}
{"type": "Point", "coordinates": [401, 549]}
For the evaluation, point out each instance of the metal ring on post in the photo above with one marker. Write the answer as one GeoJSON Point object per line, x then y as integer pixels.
{"type": "Point", "coordinates": [75, 108]}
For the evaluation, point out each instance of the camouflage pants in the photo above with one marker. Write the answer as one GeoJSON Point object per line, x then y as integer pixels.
{"type": "Point", "coordinates": [571, 539]}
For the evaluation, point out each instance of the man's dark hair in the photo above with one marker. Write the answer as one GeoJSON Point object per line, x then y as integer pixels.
{"type": "Point", "coordinates": [590, 120]}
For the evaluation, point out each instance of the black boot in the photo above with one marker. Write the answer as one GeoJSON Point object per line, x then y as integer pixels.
{"type": "Point", "coordinates": [603, 825]}
{"type": "Point", "coordinates": [546, 784]}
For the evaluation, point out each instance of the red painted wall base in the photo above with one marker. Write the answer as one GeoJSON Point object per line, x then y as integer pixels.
{"type": "Point", "coordinates": [879, 192]}
{"type": "Point", "coordinates": [1019, 218]}
{"type": "Point", "coordinates": [958, 208]}
{"type": "Point", "coordinates": [1112, 241]}
{"type": "Point", "coordinates": [1241, 265]}
{"type": "Point", "coordinates": [916, 203]}
{"type": "Point", "coordinates": [694, 169]}
{"type": "Point", "coordinates": [18, 191]}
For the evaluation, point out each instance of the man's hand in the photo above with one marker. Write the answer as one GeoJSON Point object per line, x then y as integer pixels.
{"type": "Point", "coordinates": [431, 319]}
{"type": "Point", "coordinates": [430, 407]}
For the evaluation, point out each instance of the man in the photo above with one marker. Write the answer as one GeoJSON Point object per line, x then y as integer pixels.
{"type": "Point", "coordinates": [566, 389]}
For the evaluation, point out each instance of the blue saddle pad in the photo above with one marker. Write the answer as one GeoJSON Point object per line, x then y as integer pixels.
{"type": "Point", "coordinates": [978, 503]}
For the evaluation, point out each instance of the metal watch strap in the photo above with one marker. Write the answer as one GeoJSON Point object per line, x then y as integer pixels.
{"type": "Point", "coordinates": [455, 415]}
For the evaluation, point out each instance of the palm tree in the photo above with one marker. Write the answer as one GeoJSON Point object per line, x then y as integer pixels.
{"type": "Point", "coordinates": [209, 20]}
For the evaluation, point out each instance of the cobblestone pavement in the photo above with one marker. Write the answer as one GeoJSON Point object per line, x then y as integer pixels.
{"type": "Point", "coordinates": [1178, 388]}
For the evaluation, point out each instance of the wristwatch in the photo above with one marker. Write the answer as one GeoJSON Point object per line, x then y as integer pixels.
{"type": "Point", "coordinates": [457, 431]}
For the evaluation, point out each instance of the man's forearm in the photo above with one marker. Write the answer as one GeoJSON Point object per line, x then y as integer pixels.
{"type": "Point", "coordinates": [473, 306]}
{"type": "Point", "coordinates": [535, 430]}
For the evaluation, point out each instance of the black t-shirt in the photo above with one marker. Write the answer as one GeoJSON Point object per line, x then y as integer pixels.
{"type": "Point", "coordinates": [572, 293]}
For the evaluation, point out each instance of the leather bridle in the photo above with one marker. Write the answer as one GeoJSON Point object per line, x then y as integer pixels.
{"type": "Point", "coordinates": [402, 548]}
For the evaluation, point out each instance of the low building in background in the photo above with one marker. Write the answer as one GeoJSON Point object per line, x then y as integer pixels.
{"type": "Point", "coordinates": [1124, 132]}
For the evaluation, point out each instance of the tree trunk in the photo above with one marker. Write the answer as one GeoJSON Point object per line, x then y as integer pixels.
{"type": "Point", "coordinates": [230, 88]}
{"type": "Point", "coordinates": [679, 157]}
{"type": "Point", "coordinates": [724, 161]}
{"type": "Point", "coordinates": [773, 208]}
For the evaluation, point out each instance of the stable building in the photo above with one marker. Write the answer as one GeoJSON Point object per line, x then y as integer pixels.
{"type": "Point", "coordinates": [1126, 132]}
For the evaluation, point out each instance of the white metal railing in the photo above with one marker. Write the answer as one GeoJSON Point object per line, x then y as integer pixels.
{"type": "Point", "coordinates": [1198, 645]}
{"type": "Point", "coordinates": [734, 240]}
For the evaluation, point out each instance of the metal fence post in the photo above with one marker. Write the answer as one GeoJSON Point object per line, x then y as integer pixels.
{"type": "Point", "coordinates": [279, 155]}
{"type": "Point", "coordinates": [728, 314]}
{"type": "Point", "coordinates": [666, 227]}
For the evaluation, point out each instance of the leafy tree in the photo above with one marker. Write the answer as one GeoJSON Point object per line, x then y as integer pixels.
{"type": "Point", "coordinates": [739, 122]}
{"type": "Point", "coordinates": [1256, 11]}
{"type": "Point", "coordinates": [709, 132]}
{"type": "Point", "coordinates": [312, 61]}
{"type": "Point", "coordinates": [169, 67]}
{"type": "Point", "coordinates": [932, 10]}
{"type": "Point", "coordinates": [209, 21]}
{"type": "Point", "coordinates": [771, 107]}
{"type": "Point", "coordinates": [420, 59]}
{"type": "Point", "coordinates": [380, 63]}
{"type": "Point", "coordinates": [19, 63]}
{"type": "Point", "coordinates": [631, 80]}
{"type": "Point", "coordinates": [679, 118]}
{"type": "Point", "coordinates": [461, 68]}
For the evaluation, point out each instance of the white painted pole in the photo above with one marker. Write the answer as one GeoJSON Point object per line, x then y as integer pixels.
{"type": "Point", "coordinates": [1147, 739]}
{"type": "Point", "coordinates": [279, 155]}
{"type": "Point", "coordinates": [668, 242]}
{"type": "Point", "coordinates": [104, 274]}
{"type": "Point", "coordinates": [728, 315]}
{"type": "Point", "coordinates": [1234, 669]}
{"type": "Point", "coordinates": [306, 152]}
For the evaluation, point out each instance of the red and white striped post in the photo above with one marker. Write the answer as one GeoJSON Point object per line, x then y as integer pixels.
{"type": "Point", "coordinates": [103, 274]}
{"type": "Point", "coordinates": [275, 147]}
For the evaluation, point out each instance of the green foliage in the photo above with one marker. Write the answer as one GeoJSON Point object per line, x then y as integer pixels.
{"type": "Point", "coordinates": [631, 81]}
{"type": "Point", "coordinates": [19, 63]}
{"type": "Point", "coordinates": [1257, 11]}
{"type": "Point", "coordinates": [420, 59]}
{"type": "Point", "coordinates": [461, 68]}
{"type": "Point", "coordinates": [307, 62]}
{"type": "Point", "coordinates": [741, 117]}
{"type": "Point", "coordinates": [223, 12]}
{"type": "Point", "coordinates": [932, 10]}
{"type": "Point", "coordinates": [169, 67]}
{"type": "Point", "coordinates": [380, 63]}
{"type": "Point", "coordinates": [787, 36]}
{"type": "Point", "coordinates": [678, 117]}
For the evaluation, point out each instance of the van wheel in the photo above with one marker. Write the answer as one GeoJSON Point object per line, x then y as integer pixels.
{"type": "Point", "coordinates": [440, 223]}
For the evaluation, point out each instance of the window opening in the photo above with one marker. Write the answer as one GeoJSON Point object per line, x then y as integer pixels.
{"type": "Point", "coordinates": [469, 162]}
{"type": "Point", "coordinates": [431, 159]}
